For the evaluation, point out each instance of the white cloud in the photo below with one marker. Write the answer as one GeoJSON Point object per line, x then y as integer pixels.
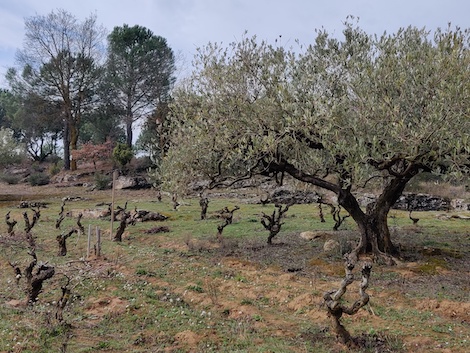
{"type": "Point", "coordinates": [188, 24]}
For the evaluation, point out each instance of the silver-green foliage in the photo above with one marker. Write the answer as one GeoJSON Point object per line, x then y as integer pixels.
{"type": "Point", "coordinates": [355, 107]}
{"type": "Point", "coordinates": [11, 151]}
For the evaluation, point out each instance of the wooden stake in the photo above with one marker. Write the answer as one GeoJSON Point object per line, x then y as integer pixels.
{"type": "Point", "coordinates": [115, 173]}
{"type": "Point", "coordinates": [89, 241]}
{"type": "Point", "coordinates": [98, 242]}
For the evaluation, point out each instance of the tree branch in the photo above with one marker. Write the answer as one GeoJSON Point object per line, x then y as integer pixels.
{"type": "Point", "coordinates": [336, 309]}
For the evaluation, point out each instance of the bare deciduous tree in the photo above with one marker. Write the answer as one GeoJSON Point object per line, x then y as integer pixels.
{"type": "Point", "coordinates": [28, 225]}
{"type": "Point", "coordinates": [62, 302]}
{"type": "Point", "coordinates": [61, 217]}
{"type": "Point", "coordinates": [60, 63]}
{"type": "Point", "coordinates": [227, 215]}
{"type": "Point", "coordinates": [125, 216]}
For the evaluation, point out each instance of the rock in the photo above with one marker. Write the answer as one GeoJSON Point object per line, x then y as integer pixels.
{"type": "Point", "coordinates": [422, 202]}
{"type": "Point", "coordinates": [64, 178]}
{"type": "Point", "coordinates": [285, 196]}
{"type": "Point", "coordinates": [417, 202]}
{"type": "Point", "coordinates": [460, 205]}
{"type": "Point", "coordinates": [331, 245]}
{"type": "Point", "coordinates": [310, 235]}
{"type": "Point", "coordinates": [129, 182]}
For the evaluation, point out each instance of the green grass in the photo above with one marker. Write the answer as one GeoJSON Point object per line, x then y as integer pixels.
{"type": "Point", "coordinates": [182, 291]}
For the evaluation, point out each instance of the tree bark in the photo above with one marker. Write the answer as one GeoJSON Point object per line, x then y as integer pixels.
{"type": "Point", "coordinates": [122, 226]}
{"type": "Point", "coordinates": [129, 133]}
{"type": "Point", "coordinates": [372, 224]}
{"type": "Point", "coordinates": [35, 281]}
{"type": "Point", "coordinates": [66, 144]}
{"type": "Point", "coordinates": [336, 308]}
{"type": "Point", "coordinates": [73, 145]}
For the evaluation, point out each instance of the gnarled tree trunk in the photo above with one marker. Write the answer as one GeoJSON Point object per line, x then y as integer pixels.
{"type": "Point", "coordinates": [372, 223]}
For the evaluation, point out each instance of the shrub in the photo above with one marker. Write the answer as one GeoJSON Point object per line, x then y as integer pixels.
{"type": "Point", "coordinates": [38, 179]}
{"type": "Point", "coordinates": [54, 169]}
{"type": "Point", "coordinates": [122, 154]}
{"type": "Point", "coordinates": [143, 164]}
{"type": "Point", "coordinates": [11, 152]}
{"type": "Point", "coordinates": [10, 179]}
{"type": "Point", "coordinates": [102, 181]}
{"type": "Point", "coordinates": [90, 153]}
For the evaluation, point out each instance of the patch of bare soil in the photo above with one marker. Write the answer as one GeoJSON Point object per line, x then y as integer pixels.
{"type": "Point", "coordinates": [294, 274]}
{"type": "Point", "coordinates": [98, 307]}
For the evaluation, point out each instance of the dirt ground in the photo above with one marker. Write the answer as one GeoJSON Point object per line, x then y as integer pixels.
{"type": "Point", "coordinates": [294, 278]}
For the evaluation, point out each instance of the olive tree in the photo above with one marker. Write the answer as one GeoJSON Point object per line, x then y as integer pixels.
{"type": "Point", "coordinates": [344, 114]}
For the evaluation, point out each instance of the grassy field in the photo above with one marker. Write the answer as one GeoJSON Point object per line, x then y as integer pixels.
{"type": "Point", "coordinates": [183, 291]}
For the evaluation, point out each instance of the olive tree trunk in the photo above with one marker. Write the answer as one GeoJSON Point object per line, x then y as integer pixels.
{"type": "Point", "coordinates": [373, 222]}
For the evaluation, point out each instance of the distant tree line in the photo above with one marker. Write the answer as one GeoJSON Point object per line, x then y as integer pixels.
{"type": "Point", "coordinates": [74, 84]}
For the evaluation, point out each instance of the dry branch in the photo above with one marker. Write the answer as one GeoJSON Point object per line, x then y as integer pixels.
{"type": "Point", "coordinates": [125, 216]}
{"type": "Point", "coordinates": [11, 224]}
{"type": "Point", "coordinates": [79, 223]}
{"type": "Point", "coordinates": [34, 281]}
{"type": "Point", "coordinates": [227, 215]}
{"type": "Point", "coordinates": [273, 223]}
{"type": "Point", "coordinates": [61, 239]}
{"type": "Point", "coordinates": [335, 212]}
{"type": "Point", "coordinates": [28, 225]}
{"type": "Point", "coordinates": [61, 215]}
{"type": "Point", "coordinates": [66, 292]}
{"type": "Point", "coordinates": [204, 203]}
{"type": "Point", "coordinates": [336, 309]}
{"type": "Point", "coordinates": [145, 216]}
{"type": "Point", "coordinates": [220, 229]}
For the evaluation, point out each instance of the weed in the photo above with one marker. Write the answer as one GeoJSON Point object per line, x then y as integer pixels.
{"type": "Point", "coordinates": [432, 266]}
{"type": "Point", "coordinates": [246, 301]}
{"type": "Point", "coordinates": [195, 288]}
{"type": "Point", "coordinates": [240, 278]}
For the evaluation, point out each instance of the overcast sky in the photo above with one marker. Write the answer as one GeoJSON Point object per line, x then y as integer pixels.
{"type": "Point", "coordinates": [188, 24]}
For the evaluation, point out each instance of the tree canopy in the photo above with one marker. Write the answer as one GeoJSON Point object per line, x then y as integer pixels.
{"type": "Point", "coordinates": [140, 69]}
{"type": "Point", "coordinates": [60, 63]}
{"type": "Point", "coordinates": [340, 114]}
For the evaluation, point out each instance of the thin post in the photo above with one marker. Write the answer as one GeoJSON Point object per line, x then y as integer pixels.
{"type": "Point", "coordinates": [89, 241]}
{"type": "Point", "coordinates": [115, 173]}
{"type": "Point", "coordinates": [98, 242]}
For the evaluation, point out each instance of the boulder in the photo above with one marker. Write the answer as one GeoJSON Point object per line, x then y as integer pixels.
{"type": "Point", "coordinates": [132, 182]}
{"type": "Point", "coordinates": [331, 245]}
{"type": "Point", "coordinates": [313, 235]}
{"type": "Point", "coordinates": [460, 205]}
